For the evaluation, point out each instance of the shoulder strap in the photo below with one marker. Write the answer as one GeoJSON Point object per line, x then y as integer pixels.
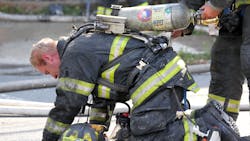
{"type": "Point", "coordinates": [118, 59]}
{"type": "Point", "coordinates": [116, 87]}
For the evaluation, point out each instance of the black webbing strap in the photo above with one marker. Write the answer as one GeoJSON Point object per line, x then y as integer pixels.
{"type": "Point", "coordinates": [118, 59]}
{"type": "Point", "coordinates": [116, 87]}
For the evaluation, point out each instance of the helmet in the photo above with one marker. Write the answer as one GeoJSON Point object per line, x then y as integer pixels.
{"type": "Point", "coordinates": [81, 132]}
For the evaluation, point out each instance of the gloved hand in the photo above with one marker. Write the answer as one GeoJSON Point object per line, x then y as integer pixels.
{"type": "Point", "coordinates": [99, 128]}
{"type": "Point", "coordinates": [47, 136]}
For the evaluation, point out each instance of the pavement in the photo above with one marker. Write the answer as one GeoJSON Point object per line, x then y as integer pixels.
{"type": "Point", "coordinates": [14, 54]}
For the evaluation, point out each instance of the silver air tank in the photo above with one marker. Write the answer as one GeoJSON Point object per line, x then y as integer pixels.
{"type": "Point", "coordinates": [163, 17]}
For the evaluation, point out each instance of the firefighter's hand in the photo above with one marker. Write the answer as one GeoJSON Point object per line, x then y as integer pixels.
{"type": "Point", "coordinates": [99, 128]}
{"type": "Point", "coordinates": [209, 11]}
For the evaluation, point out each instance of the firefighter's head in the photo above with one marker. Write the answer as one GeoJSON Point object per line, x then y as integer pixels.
{"type": "Point", "coordinates": [45, 58]}
{"type": "Point", "coordinates": [81, 132]}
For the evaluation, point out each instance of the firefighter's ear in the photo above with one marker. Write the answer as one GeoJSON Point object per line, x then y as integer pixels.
{"type": "Point", "coordinates": [47, 58]}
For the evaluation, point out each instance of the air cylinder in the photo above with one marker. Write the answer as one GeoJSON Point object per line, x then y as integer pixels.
{"type": "Point", "coordinates": [163, 17]}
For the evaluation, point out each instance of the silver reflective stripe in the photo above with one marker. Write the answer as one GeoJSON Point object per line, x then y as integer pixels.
{"type": "Point", "coordinates": [56, 127]}
{"type": "Point", "coordinates": [219, 99]}
{"type": "Point", "coordinates": [104, 91]}
{"type": "Point", "coordinates": [76, 86]}
{"type": "Point", "coordinates": [118, 46]}
{"type": "Point", "coordinates": [233, 106]}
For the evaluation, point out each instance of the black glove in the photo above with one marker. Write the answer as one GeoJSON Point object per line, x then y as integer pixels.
{"type": "Point", "coordinates": [230, 21]}
{"type": "Point", "coordinates": [47, 136]}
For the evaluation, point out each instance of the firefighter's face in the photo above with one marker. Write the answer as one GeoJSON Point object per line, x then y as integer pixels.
{"type": "Point", "coordinates": [51, 65]}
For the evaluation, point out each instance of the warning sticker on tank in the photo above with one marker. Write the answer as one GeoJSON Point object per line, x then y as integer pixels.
{"type": "Point", "coordinates": [144, 15]}
{"type": "Point", "coordinates": [158, 16]}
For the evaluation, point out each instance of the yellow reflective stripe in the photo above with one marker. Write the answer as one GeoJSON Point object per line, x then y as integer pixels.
{"type": "Point", "coordinates": [109, 75]}
{"type": "Point", "coordinates": [233, 106]}
{"type": "Point", "coordinates": [55, 127]}
{"type": "Point", "coordinates": [156, 80]}
{"type": "Point", "coordinates": [219, 99]}
{"type": "Point", "coordinates": [103, 91]}
{"type": "Point", "coordinates": [194, 87]}
{"type": "Point", "coordinates": [100, 10]}
{"type": "Point", "coordinates": [118, 46]}
{"type": "Point", "coordinates": [189, 135]}
{"type": "Point", "coordinates": [241, 2]}
{"type": "Point", "coordinates": [186, 129]}
{"type": "Point", "coordinates": [143, 4]}
{"type": "Point", "coordinates": [76, 86]}
{"type": "Point", "coordinates": [98, 114]}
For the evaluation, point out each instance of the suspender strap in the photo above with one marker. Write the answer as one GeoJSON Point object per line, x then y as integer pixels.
{"type": "Point", "coordinates": [116, 87]}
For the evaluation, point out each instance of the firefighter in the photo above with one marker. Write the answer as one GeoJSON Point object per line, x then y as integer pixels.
{"type": "Point", "coordinates": [104, 7]}
{"type": "Point", "coordinates": [116, 68]}
{"type": "Point", "coordinates": [230, 53]}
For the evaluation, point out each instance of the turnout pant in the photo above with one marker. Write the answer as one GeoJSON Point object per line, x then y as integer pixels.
{"type": "Point", "coordinates": [230, 62]}
{"type": "Point", "coordinates": [155, 121]}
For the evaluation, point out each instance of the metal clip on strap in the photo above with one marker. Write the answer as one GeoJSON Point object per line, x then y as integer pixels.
{"type": "Point", "coordinates": [141, 65]}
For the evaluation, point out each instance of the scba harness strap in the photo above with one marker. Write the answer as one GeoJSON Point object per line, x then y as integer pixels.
{"type": "Point", "coordinates": [155, 44]}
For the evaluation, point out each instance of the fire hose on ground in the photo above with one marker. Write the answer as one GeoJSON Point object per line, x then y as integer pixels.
{"type": "Point", "coordinates": [27, 108]}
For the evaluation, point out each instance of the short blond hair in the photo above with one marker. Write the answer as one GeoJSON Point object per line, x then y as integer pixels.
{"type": "Point", "coordinates": [45, 45]}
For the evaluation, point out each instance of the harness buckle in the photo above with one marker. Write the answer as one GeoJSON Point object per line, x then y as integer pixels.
{"type": "Point", "coordinates": [141, 65]}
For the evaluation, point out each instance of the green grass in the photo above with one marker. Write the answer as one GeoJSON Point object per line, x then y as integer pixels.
{"type": "Point", "coordinates": [191, 59]}
{"type": "Point", "coordinates": [11, 10]}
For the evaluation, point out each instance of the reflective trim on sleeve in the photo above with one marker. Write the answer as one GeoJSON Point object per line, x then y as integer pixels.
{"type": "Point", "coordinates": [76, 86]}
{"type": "Point", "coordinates": [98, 114]}
{"type": "Point", "coordinates": [189, 135]}
{"type": "Point", "coordinates": [194, 87]}
{"type": "Point", "coordinates": [219, 99]}
{"type": "Point", "coordinates": [109, 75]}
{"type": "Point", "coordinates": [241, 2]}
{"type": "Point", "coordinates": [156, 80]}
{"type": "Point", "coordinates": [118, 46]}
{"type": "Point", "coordinates": [55, 127]}
{"type": "Point", "coordinates": [233, 106]}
